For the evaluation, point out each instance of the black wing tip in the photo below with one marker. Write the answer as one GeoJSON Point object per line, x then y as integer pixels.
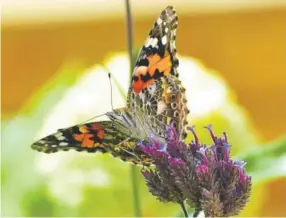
{"type": "Point", "coordinates": [44, 148]}
{"type": "Point", "coordinates": [170, 7]}
{"type": "Point", "coordinates": [170, 10]}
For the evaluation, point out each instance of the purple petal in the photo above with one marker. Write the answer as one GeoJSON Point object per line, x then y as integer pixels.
{"type": "Point", "coordinates": [225, 137]}
{"type": "Point", "coordinates": [214, 138]}
{"type": "Point", "coordinates": [214, 149]}
{"type": "Point", "coordinates": [192, 129]}
{"type": "Point", "coordinates": [226, 150]}
{"type": "Point", "coordinates": [175, 162]}
{"type": "Point", "coordinates": [202, 151]}
{"type": "Point", "coordinates": [201, 168]}
{"type": "Point", "coordinates": [242, 176]}
{"type": "Point", "coordinates": [239, 163]}
{"type": "Point", "coordinates": [171, 133]}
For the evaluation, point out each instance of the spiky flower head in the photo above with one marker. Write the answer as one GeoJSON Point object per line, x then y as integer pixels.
{"type": "Point", "coordinates": [203, 176]}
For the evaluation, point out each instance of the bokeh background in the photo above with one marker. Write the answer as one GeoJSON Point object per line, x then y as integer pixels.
{"type": "Point", "coordinates": [232, 64]}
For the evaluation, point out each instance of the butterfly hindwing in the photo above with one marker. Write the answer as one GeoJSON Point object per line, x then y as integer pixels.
{"type": "Point", "coordinates": [161, 104]}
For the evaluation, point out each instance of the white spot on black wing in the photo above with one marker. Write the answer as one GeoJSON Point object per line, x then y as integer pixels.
{"type": "Point", "coordinates": [154, 42]}
{"type": "Point", "coordinates": [164, 40]}
{"type": "Point", "coordinates": [58, 134]}
{"type": "Point", "coordinates": [63, 144]}
{"type": "Point", "coordinates": [61, 138]}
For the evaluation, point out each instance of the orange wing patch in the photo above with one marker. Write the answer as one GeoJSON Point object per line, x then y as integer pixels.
{"type": "Point", "coordinates": [162, 64]}
{"type": "Point", "coordinates": [90, 136]}
{"type": "Point", "coordinates": [158, 66]}
{"type": "Point", "coordinates": [85, 139]}
{"type": "Point", "coordinates": [100, 134]}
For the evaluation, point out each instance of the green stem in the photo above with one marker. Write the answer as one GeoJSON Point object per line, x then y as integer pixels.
{"type": "Point", "coordinates": [196, 213]}
{"type": "Point", "coordinates": [134, 177]}
{"type": "Point", "coordinates": [184, 209]}
{"type": "Point", "coordinates": [135, 188]}
{"type": "Point", "coordinates": [129, 34]}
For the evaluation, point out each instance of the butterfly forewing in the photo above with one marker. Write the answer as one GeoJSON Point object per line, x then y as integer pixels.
{"type": "Point", "coordinates": [90, 137]}
{"type": "Point", "coordinates": [158, 56]}
{"type": "Point", "coordinates": [93, 137]}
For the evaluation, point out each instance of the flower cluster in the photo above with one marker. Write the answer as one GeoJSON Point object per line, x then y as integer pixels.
{"type": "Point", "coordinates": [203, 176]}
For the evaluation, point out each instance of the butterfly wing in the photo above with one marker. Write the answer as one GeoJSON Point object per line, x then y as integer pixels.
{"type": "Point", "coordinates": [156, 95]}
{"type": "Point", "coordinates": [161, 104]}
{"type": "Point", "coordinates": [93, 137]}
{"type": "Point", "coordinates": [158, 56]}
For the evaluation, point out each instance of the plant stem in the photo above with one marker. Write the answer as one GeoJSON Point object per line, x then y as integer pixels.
{"type": "Point", "coordinates": [134, 178]}
{"type": "Point", "coordinates": [129, 34]}
{"type": "Point", "coordinates": [184, 209]}
{"type": "Point", "coordinates": [136, 198]}
{"type": "Point", "coordinates": [196, 213]}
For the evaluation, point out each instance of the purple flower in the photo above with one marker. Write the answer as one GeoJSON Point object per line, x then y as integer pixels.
{"type": "Point", "coordinates": [203, 176]}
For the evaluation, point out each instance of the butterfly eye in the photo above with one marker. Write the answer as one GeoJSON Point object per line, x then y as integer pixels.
{"type": "Point", "coordinates": [173, 105]}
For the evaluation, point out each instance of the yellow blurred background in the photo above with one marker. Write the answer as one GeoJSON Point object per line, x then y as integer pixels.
{"type": "Point", "coordinates": [244, 41]}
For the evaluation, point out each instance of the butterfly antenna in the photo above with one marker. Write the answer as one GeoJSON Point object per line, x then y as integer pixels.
{"type": "Point", "coordinates": [92, 118]}
{"type": "Point", "coordinates": [111, 98]}
{"type": "Point", "coordinates": [109, 77]}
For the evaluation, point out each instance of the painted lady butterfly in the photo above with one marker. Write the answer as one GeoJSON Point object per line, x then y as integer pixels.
{"type": "Point", "coordinates": [155, 99]}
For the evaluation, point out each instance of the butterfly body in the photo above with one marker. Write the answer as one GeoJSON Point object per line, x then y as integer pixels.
{"type": "Point", "coordinates": [156, 98]}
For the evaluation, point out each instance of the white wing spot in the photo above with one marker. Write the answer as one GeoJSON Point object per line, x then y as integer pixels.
{"type": "Point", "coordinates": [58, 134]}
{"type": "Point", "coordinates": [60, 138]}
{"type": "Point", "coordinates": [164, 40]}
{"type": "Point", "coordinates": [151, 41]}
{"type": "Point", "coordinates": [173, 32]}
{"type": "Point", "coordinates": [63, 144]}
{"type": "Point", "coordinates": [159, 21]}
{"type": "Point", "coordinates": [152, 89]}
{"type": "Point", "coordinates": [161, 107]}
{"type": "Point", "coordinates": [142, 96]}
{"type": "Point", "coordinates": [154, 42]}
{"type": "Point", "coordinates": [166, 29]}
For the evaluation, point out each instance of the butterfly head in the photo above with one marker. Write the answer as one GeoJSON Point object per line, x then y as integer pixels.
{"type": "Point", "coordinates": [121, 118]}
